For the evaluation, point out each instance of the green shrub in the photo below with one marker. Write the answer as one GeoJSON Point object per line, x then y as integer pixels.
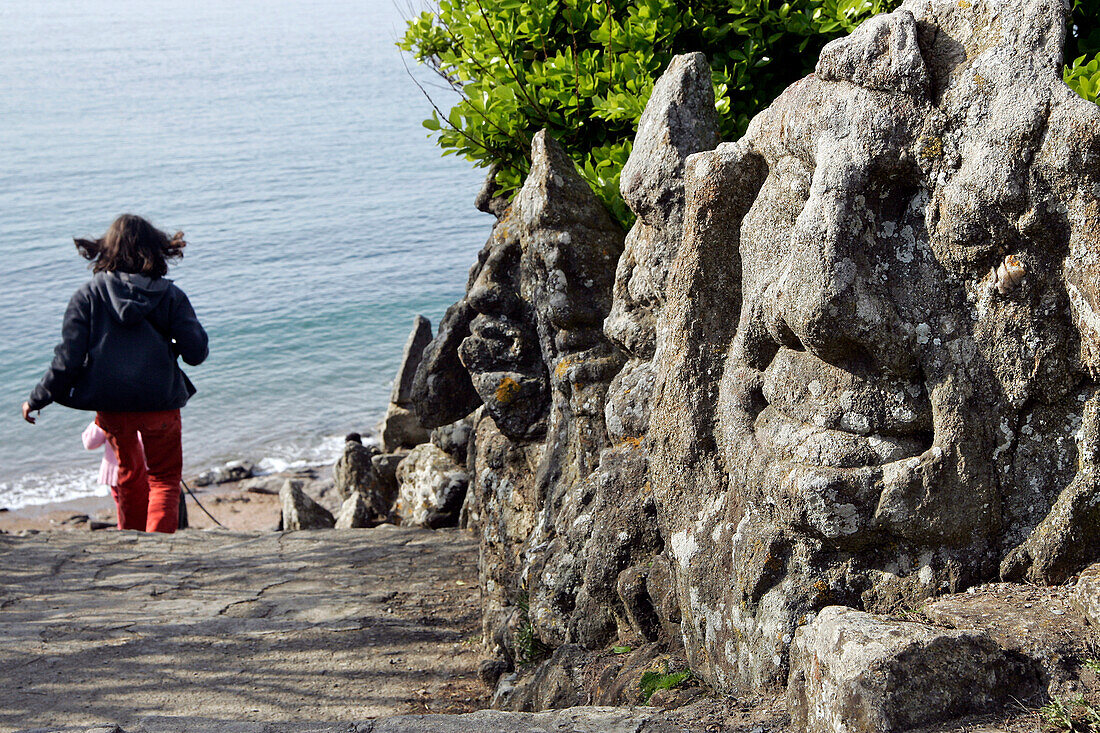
{"type": "Point", "coordinates": [584, 69]}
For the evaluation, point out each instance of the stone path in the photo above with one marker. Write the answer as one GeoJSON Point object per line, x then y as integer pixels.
{"type": "Point", "coordinates": [329, 625]}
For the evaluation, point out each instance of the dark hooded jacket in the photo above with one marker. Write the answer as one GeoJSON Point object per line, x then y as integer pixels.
{"type": "Point", "coordinates": [119, 343]}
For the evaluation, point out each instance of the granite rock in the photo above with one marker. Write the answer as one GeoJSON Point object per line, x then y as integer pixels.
{"type": "Point", "coordinates": [1086, 595]}
{"type": "Point", "coordinates": [431, 488]}
{"type": "Point", "coordinates": [353, 471]}
{"type": "Point", "coordinates": [852, 672]}
{"type": "Point", "coordinates": [300, 511]}
{"type": "Point", "coordinates": [355, 513]}
{"type": "Point", "coordinates": [419, 338]}
{"type": "Point", "coordinates": [401, 428]}
{"type": "Point", "coordinates": [442, 391]}
{"type": "Point", "coordinates": [1036, 623]}
{"type": "Point", "coordinates": [906, 404]}
{"type": "Point", "coordinates": [454, 439]}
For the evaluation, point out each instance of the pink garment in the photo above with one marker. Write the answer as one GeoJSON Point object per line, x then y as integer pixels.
{"type": "Point", "coordinates": [93, 438]}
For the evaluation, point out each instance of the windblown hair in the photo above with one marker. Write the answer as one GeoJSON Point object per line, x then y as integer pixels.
{"type": "Point", "coordinates": [133, 245]}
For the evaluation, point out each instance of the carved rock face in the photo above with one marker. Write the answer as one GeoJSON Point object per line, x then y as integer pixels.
{"type": "Point", "coordinates": [679, 120]}
{"type": "Point", "coordinates": [502, 352]}
{"type": "Point", "coordinates": [904, 400]}
{"type": "Point", "coordinates": [590, 584]}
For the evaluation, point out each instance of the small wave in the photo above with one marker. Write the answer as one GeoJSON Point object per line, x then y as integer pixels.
{"type": "Point", "coordinates": [291, 456]}
{"type": "Point", "coordinates": [51, 488]}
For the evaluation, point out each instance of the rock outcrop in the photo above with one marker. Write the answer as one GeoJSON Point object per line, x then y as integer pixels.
{"type": "Point", "coordinates": [401, 428]}
{"type": "Point", "coordinates": [300, 511]}
{"type": "Point", "coordinates": [850, 359]}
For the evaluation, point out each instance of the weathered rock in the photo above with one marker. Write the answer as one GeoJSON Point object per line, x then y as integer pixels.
{"type": "Point", "coordinates": [454, 439]}
{"type": "Point", "coordinates": [557, 683]}
{"type": "Point", "coordinates": [300, 511]}
{"type": "Point", "coordinates": [541, 365]}
{"type": "Point", "coordinates": [906, 401]}
{"type": "Point", "coordinates": [419, 338]}
{"type": "Point", "coordinates": [401, 428]}
{"type": "Point", "coordinates": [570, 246]}
{"type": "Point", "coordinates": [678, 120]}
{"type": "Point", "coordinates": [589, 584]}
{"type": "Point", "coordinates": [442, 391]}
{"type": "Point", "coordinates": [501, 352]}
{"type": "Point", "coordinates": [854, 673]}
{"type": "Point", "coordinates": [353, 471]}
{"type": "Point", "coordinates": [431, 488]}
{"type": "Point", "coordinates": [385, 466]}
{"type": "Point", "coordinates": [1086, 595]}
{"type": "Point", "coordinates": [355, 513]}
{"type": "Point", "coordinates": [231, 471]}
{"type": "Point", "coordinates": [1036, 623]}
{"type": "Point", "coordinates": [502, 508]}
{"type": "Point", "coordinates": [592, 575]}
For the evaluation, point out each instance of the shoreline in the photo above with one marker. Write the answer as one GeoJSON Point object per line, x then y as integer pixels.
{"type": "Point", "coordinates": [247, 505]}
{"type": "Point", "coordinates": [316, 468]}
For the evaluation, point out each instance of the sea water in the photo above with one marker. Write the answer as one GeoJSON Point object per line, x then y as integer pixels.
{"type": "Point", "coordinates": [284, 138]}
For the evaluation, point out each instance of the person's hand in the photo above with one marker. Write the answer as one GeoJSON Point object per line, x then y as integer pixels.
{"type": "Point", "coordinates": [27, 413]}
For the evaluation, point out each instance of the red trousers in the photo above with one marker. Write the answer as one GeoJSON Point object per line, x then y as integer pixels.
{"type": "Point", "coordinates": [147, 500]}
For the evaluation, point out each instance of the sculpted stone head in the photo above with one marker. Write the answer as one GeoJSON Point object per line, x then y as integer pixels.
{"type": "Point", "coordinates": [908, 392]}
{"type": "Point", "coordinates": [502, 352]}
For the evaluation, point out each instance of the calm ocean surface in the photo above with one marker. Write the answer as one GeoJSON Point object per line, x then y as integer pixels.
{"type": "Point", "coordinates": [283, 137]}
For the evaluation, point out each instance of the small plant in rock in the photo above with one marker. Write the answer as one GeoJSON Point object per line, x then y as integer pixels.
{"type": "Point", "coordinates": [529, 647]}
{"type": "Point", "coordinates": [653, 681]}
{"type": "Point", "coordinates": [1074, 715]}
{"type": "Point", "coordinates": [1093, 664]}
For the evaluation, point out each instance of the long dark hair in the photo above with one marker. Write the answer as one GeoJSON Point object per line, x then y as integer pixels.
{"type": "Point", "coordinates": [133, 245]}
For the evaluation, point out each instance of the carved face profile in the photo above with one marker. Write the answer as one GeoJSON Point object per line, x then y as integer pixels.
{"type": "Point", "coordinates": [502, 351]}
{"type": "Point", "coordinates": [904, 399]}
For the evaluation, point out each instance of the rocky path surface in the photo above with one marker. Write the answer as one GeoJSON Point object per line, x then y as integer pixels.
{"type": "Point", "coordinates": [331, 625]}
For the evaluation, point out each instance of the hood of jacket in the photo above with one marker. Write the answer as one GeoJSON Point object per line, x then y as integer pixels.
{"type": "Point", "coordinates": [131, 296]}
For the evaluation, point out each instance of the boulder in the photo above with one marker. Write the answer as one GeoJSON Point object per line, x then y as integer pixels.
{"type": "Point", "coordinates": [231, 471]}
{"type": "Point", "coordinates": [355, 513]}
{"type": "Point", "coordinates": [1039, 624]}
{"type": "Point", "coordinates": [354, 471]}
{"type": "Point", "coordinates": [1086, 595]}
{"type": "Point", "coordinates": [431, 488]}
{"type": "Point", "coordinates": [454, 439]}
{"type": "Point", "coordinates": [852, 672]}
{"type": "Point", "coordinates": [300, 511]}
{"type": "Point", "coordinates": [401, 428]}
{"type": "Point", "coordinates": [385, 466]}
{"type": "Point", "coordinates": [419, 338]}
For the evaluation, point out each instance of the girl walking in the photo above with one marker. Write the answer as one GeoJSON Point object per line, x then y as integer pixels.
{"type": "Point", "coordinates": [121, 336]}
